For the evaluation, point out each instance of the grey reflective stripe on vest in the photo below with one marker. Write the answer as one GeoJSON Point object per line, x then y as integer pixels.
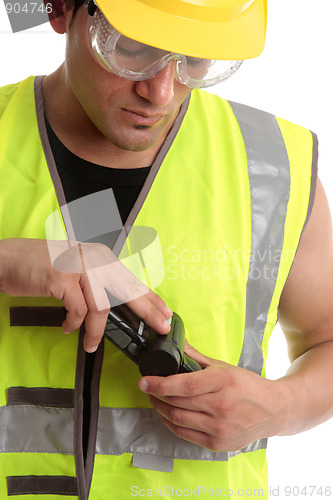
{"type": "Point", "coordinates": [140, 430]}
{"type": "Point", "coordinates": [269, 176]}
{"type": "Point", "coordinates": [36, 429]}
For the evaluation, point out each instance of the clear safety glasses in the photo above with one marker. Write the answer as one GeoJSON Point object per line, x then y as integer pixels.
{"type": "Point", "coordinates": [136, 61]}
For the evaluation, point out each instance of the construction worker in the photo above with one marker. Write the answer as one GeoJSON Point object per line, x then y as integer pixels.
{"type": "Point", "coordinates": [231, 193]}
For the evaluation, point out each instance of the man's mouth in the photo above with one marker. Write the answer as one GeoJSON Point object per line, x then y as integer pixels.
{"type": "Point", "coordinates": [142, 118]}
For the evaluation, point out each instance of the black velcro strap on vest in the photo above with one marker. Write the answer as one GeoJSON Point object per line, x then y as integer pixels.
{"type": "Point", "coordinates": [40, 396]}
{"type": "Point", "coordinates": [37, 316]}
{"type": "Point", "coordinates": [42, 485]}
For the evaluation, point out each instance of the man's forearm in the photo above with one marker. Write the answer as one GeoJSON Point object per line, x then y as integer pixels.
{"type": "Point", "coordinates": [309, 388]}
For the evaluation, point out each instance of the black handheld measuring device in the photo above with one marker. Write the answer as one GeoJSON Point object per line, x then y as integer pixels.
{"type": "Point", "coordinates": [154, 354]}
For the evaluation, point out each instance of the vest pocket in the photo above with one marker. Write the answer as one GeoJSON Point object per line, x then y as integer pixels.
{"type": "Point", "coordinates": [42, 485]}
{"type": "Point", "coordinates": [40, 396]}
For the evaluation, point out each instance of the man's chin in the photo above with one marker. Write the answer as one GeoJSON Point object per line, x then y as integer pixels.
{"type": "Point", "coordinates": [143, 144]}
{"type": "Point", "coordinates": [136, 147]}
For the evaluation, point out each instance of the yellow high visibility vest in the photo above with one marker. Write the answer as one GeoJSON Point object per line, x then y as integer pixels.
{"type": "Point", "coordinates": [228, 196]}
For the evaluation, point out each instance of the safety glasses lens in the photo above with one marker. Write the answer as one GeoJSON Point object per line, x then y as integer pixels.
{"type": "Point", "coordinates": [209, 72]}
{"type": "Point", "coordinates": [136, 56]}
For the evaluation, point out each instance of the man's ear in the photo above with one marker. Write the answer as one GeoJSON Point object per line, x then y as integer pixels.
{"type": "Point", "coordinates": [58, 14]}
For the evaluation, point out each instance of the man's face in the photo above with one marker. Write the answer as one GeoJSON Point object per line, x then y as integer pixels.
{"type": "Point", "coordinates": [133, 115]}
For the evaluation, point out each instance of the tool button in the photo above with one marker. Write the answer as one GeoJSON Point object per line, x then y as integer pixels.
{"type": "Point", "coordinates": [133, 348]}
{"type": "Point", "coordinates": [120, 338]}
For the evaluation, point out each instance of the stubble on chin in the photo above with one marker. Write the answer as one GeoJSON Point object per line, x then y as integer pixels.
{"type": "Point", "coordinates": [135, 146]}
{"type": "Point", "coordinates": [141, 127]}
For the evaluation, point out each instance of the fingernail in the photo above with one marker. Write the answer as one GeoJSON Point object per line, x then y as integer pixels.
{"type": "Point", "coordinates": [143, 385]}
{"type": "Point", "coordinates": [91, 349]}
{"type": "Point", "coordinates": [67, 333]}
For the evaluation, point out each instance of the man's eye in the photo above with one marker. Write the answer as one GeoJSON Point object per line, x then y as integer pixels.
{"type": "Point", "coordinates": [132, 49]}
{"type": "Point", "coordinates": [130, 52]}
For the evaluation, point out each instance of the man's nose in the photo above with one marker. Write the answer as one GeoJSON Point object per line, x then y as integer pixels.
{"type": "Point", "coordinates": [159, 90]}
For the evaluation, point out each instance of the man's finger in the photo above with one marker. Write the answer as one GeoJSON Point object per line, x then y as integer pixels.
{"type": "Point", "coordinates": [201, 403]}
{"type": "Point", "coordinates": [76, 306]}
{"type": "Point", "coordinates": [203, 360]}
{"type": "Point", "coordinates": [123, 285]}
{"type": "Point", "coordinates": [182, 417]}
{"type": "Point", "coordinates": [191, 435]}
{"type": "Point", "coordinates": [159, 304]}
{"type": "Point", "coordinates": [150, 314]}
{"type": "Point", "coordinates": [95, 325]}
{"type": "Point", "coordinates": [183, 384]}
{"type": "Point", "coordinates": [98, 309]}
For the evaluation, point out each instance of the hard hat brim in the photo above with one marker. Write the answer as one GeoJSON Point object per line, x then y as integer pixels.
{"type": "Point", "coordinates": [232, 32]}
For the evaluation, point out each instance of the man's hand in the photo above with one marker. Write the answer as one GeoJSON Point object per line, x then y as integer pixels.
{"type": "Point", "coordinates": [222, 407]}
{"type": "Point", "coordinates": [79, 278]}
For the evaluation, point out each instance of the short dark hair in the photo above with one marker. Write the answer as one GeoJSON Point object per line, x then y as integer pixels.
{"type": "Point", "coordinates": [77, 5]}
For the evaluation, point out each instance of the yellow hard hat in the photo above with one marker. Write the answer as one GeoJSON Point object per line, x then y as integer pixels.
{"type": "Point", "coordinates": [210, 29]}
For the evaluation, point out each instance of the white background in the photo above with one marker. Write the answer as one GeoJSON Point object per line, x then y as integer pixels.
{"type": "Point", "coordinates": [292, 79]}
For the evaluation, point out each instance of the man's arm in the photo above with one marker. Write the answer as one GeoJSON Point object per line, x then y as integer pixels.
{"type": "Point", "coordinates": [306, 318]}
{"type": "Point", "coordinates": [79, 278]}
{"type": "Point", "coordinates": [226, 407]}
